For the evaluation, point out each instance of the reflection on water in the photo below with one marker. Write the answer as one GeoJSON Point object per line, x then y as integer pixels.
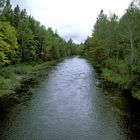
{"type": "Point", "coordinates": [68, 106]}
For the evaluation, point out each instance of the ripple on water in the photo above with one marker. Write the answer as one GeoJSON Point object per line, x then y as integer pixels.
{"type": "Point", "coordinates": [69, 106]}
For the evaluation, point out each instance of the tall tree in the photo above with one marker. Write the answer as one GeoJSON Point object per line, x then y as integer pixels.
{"type": "Point", "coordinates": [8, 43]}
{"type": "Point", "coordinates": [26, 41]}
{"type": "Point", "coordinates": [16, 16]}
{"type": "Point", "coordinates": [7, 14]}
{"type": "Point", "coordinates": [130, 32]}
{"type": "Point", "coordinates": [2, 3]}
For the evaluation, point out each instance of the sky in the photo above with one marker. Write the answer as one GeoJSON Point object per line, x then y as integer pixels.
{"type": "Point", "coordinates": [71, 18]}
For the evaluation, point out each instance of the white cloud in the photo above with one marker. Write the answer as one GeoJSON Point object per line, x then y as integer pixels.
{"type": "Point", "coordinates": [72, 18]}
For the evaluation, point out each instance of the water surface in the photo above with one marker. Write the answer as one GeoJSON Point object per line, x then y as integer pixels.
{"type": "Point", "coordinates": [69, 106]}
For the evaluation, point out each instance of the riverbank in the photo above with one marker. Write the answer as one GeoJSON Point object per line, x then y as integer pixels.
{"type": "Point", "coordinates": [136, 94]}
{"type": "Point", "coordinates": [133, 93]}
{"type": "Point", "coordinates": [16, 80]}
{"type": "Point", "coordinates": [106, 84]}
{"type": "Point", "coordinates": [69, 105]}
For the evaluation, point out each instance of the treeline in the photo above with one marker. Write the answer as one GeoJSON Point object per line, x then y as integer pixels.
{"type": "Point", "coordinates": [23, 39]}
{"type": "Point", "coordinates": [114, 47]}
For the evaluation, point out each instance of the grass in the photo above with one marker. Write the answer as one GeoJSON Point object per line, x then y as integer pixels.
{"type": "Point", "coordinates": [136, 94]}
{"type": "Point", "coordinates": [12, 76]}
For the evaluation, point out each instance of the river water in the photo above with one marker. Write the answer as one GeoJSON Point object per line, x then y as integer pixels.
{"type": "Point", "coordinates": [68, 105]}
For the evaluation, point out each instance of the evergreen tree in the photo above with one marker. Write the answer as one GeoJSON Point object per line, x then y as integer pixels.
{"type": "Point", "coordinates": [26, 41]}
{"type": "Point", "coordinates": [2, 3]}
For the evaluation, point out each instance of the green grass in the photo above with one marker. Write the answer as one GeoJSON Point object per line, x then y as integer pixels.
{"type": "Point", "coordinates": [136, 94]}
{"type": "Point", "coordinates": [12, 76]}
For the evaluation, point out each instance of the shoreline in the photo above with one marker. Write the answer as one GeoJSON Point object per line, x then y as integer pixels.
{"type": "Point", "coordinates": [23, 83]}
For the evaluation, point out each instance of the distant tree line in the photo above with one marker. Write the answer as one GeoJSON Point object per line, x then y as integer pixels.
{"type": "Point", "coordinates": [23, 39]}
{"type": "Point", "coordinates": [114, 47]}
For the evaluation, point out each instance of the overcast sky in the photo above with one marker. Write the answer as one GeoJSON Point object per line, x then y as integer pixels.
{"type": "Point", "coordinates": [72, 18]}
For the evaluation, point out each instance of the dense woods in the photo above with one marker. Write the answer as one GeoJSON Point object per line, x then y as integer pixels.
{"type": "Point", "coordinates": [114, 48]}
{"type": "Point", "coordinates": [23, 39]}
{"type": "Point", "coordinates": [26, 47]}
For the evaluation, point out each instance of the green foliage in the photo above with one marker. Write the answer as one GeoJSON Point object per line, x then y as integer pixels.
{"type": "Point", "coordinates": [117, 74]}
{"type": "Point", "coordinates": [7, 13]}
{"type": "Point", "coordinates": [34, 41]}
{"type": "Point", "coordinates": [8, 83]}
{"type": "Point", "coordinates": [8, 43]}
{"type": "Point", "coordinates": [25, 40]}
{"type": "Point", "coordinates": [71, 48]}
{"type": "Point", "coordinates": [2, 2]}
{"type": "Point", "coordinates": [12, 75]}
{"type": "Point", "coordinates": [114, 47]}
{"type": "Point", "coordinates": [136, 94]}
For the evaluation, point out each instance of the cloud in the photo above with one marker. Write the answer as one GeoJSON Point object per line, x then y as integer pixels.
{"type": "Point", "coordinates": [72, 18]}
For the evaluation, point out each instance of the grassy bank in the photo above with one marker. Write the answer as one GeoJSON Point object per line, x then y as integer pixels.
{"type": "Point", "coordinates": [12, 77]}
{"type": "Point", "coordinates": [108, 85]}
{"type": "Point", "coordinates": [136, 94]}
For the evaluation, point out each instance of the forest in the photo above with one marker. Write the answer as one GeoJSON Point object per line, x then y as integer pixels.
{"type": "Point", "coordinates": [114, 48]}
{"type": "Point", "coordinates": [23, 39]}
{"type": "Point", "coordinates": [24, 42]}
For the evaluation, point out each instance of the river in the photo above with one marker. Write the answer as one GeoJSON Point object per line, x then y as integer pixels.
{"type": "Point", "coordinates": [69, 105]}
